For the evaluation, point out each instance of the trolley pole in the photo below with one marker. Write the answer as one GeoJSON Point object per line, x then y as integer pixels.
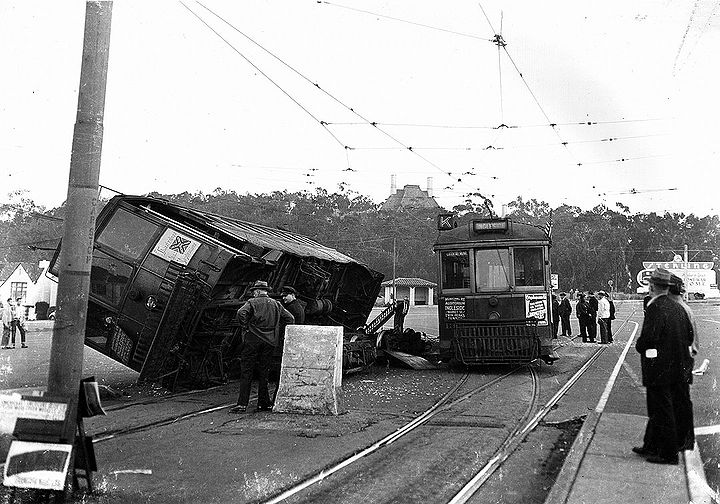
{"type": "Point", "coordinates": [75, 261]}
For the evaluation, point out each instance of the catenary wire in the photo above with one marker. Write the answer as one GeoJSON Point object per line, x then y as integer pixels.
{"type": "Point", "coordinates": [330, 95]}
{"type": "Point", "coordinates": [445, 30]}
{"type": "Point", "coordinates": [322, 123]}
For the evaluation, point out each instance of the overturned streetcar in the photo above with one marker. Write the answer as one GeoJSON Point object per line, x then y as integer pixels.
{"type": "Point", "coordinates": [167, 280]}
{"type": "Point", "coordinates": [494, 292]}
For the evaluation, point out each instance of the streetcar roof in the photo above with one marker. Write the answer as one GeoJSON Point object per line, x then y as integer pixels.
{"type": "Point", "coordinates": [242, 231]}
{"type": "Point", "coordinates": [516, 232]}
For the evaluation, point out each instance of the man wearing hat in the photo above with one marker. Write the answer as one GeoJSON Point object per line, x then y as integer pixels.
{"type": "Point", "coordinates": [293, 304]}
{"type": "Point", "coordinates": [685, 421]}
{"type": "Point", "coordinates": [264, 319]}
{"type": "Point", "coordinates": [666, 371]}
{"type": "Point", "coordinates": [565, 310]}
{"type": "Point", "coordinates": [603, 316]}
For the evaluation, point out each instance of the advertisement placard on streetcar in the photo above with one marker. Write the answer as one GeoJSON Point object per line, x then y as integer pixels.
{"type": "Point", "coordinates": [536, 307]}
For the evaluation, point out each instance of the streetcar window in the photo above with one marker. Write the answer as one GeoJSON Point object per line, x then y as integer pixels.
{"type": "Point", "coordinates": [108, 277]}
{"type": "Point", "coordinates": [127, 233]}
{"type": "Point", "coordinates": [529, 267]}
{"type": "Point", "coordinates": [455, 269]}
{"type": "Point", "coordinates": [492, 269]}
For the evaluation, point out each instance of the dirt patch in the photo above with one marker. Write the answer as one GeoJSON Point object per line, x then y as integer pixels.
{"type": "Point", "coordinates": [560, 450]}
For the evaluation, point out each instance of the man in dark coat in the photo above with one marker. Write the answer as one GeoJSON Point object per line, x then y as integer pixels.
{"type": "Point", "coordinates": [555, 315]}
{"type": "Point", "coordinates": [293, 304]}
{"type": "Point", "coordinates": [666, 372]}
{"type": "Point", "coordinates": [565, 311]}
{"type": "Point", "coordinates": [582, 312]}
{"type": "Point", "coordinates": [263, 318]}
{"type": "Point", "coordinates": [609, 321]}
{"type": "Point", "coordinates": [592, 324]}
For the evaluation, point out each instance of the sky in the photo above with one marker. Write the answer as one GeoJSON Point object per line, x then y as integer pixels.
{"type": "Point", "coordinates": [266, 95]}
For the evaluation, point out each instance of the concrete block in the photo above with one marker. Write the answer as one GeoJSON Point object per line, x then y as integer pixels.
{"type": "Point", "coordinates": [311, 371]}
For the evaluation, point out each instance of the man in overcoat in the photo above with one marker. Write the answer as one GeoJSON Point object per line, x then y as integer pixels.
{"type": "Point", "coordinates": [664, 348]}
{"type": "Point", "coordinates": [565, 311]}
{"type": "Point", "coordinates": [582, 312]}
{"type": "Point", "coordinates": [592, 324]}
{"type": "Point", "coordinates": [263, 318]}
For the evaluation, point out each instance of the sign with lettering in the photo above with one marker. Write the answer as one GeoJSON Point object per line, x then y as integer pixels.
{"type": "Point", "coordinates": [14, 406]}
{"type": "Point", "coordinates": [698, 277]}
{"type": "Point", "coordinates": [536, 307]}
{"type": "Point", "coordinates": [42, 466]}
{"type": "Point", "coordinates": [446, 222]}
{"type": "Point", "coordinates": [677, 265]}
{"type": "Point", "coordinates": [176, 247]}
{"type": "Point", "coordinates": [454, 308]}
{"type": "Point", "coordinates": [554, 280]}
{"type": "Point", "coordinates": [488, 226]}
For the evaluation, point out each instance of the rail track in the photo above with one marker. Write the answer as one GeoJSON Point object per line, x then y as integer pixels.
{"type": "Point", "coordinates": [529, 419]}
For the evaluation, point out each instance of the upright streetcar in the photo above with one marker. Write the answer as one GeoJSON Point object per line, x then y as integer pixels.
{"type": "Point", "coordinates": [494, 292]}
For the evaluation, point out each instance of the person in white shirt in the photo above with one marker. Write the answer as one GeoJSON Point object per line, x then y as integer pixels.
{"type": "Point", "coordinates": [603, 316]}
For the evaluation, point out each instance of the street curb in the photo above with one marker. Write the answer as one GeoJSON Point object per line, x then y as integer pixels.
{"type": "Point", "coordinates": [700, 492]}
{"type": "Point", "coordinates": [565, 480]}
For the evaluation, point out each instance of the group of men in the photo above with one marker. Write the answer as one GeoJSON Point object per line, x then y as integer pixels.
{"type": "Point", "coordinates": [13, 321]}
{"type": "Point", "coordinates": [592, 311]}
{"type": "Point", "coordinates": [263, 320]}
{"type": "Point", "coordinates": [667, 346]}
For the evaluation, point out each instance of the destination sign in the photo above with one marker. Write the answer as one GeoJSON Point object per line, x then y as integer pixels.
{"type": "Point", "coordinates": [454, 308]}
{"type": "Point", "coordinates": [488, 226]}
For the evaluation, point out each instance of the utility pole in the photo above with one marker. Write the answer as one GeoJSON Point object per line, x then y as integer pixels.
{"type": "Point", "coordinates": [75, 261]}
{"type": "Point", "coordinates": [394, 261]}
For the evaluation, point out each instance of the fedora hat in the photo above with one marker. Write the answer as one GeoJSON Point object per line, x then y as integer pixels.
{"type": "Point", "coordinates": [260, 285]}
{"type": "Point", "coordinates": [677, 285]}
{"type": "Point", "coordinates": [289, 290]}
{"type": "Point", "coordinates": [660, 276]}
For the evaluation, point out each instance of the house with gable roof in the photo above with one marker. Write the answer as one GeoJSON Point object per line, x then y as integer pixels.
{"type": "Point", "coordinates": [28, 281]}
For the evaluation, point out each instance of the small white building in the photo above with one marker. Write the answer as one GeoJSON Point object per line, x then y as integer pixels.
{"type": "Point", "coordinates": [32, 283]}
{"type": "Point", "coordinates": [417, 290]}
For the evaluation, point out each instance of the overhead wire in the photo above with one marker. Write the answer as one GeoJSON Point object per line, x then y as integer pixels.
{"type": "Point", "coordinates": [322, 123]}
{"type": "Point", "coordinates": [470, 126]}
{"type": "Point", "coordinates": [327, 93]}
{"type": "Point", "coordinates": [503, 45]}
{"type": "Point", "coordinates": [445, 30]}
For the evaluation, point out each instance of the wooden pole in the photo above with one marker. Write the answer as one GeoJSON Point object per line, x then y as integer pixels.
{"type": "Point", "coordinates": [66, 353]}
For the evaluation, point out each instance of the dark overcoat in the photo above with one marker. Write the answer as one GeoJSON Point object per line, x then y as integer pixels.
{"type": "Point", "coordinates": [666, 329]}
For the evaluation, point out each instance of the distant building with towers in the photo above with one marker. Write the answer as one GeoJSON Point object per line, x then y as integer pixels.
{"type": "Point", "coordinates": [409, 197]}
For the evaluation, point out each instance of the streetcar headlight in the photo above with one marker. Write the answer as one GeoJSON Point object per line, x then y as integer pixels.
{"type": "Point", "coordinates": [151, 303]}
{"type": "Point", "coordinates": [493, 315]}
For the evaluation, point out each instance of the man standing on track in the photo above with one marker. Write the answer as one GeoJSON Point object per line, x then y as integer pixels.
{"type": "Point", "coordinates": [592, 324]}
{"type": "Point", "coordinates": [603, 315]}
{"type": "Point", "coordinates": [565, 311]}
{"type": "Point", "coordinates": [612, 317]}
{"type": "Point", "coordinates": [264, 318]}
{"type": "Point", "coordinates": [666, 364]}
{"type": "Point", "coordinates": [582, 312]}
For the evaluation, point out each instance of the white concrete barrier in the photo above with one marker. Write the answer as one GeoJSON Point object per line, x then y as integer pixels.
{"type": "Point", "coordinates": [311, 372]}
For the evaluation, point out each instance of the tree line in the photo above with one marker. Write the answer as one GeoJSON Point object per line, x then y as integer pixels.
{"type": "Point", "coordinates": [589, 247]}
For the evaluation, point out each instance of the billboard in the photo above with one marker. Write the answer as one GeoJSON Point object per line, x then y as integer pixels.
{"type": "Point", "coordinates": [698, 277]}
